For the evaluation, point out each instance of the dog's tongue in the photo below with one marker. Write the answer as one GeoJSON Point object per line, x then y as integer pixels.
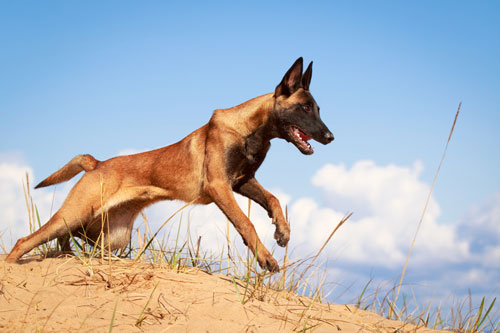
{"type": "Point", "coordinates": [304, 136]}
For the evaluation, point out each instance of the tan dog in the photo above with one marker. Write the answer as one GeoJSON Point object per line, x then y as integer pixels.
{"type": "Point", "coordinates": [204, 167]}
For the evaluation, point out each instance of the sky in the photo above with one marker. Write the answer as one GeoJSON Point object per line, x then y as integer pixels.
{"type": "Point", "coordinates": [112, 77]}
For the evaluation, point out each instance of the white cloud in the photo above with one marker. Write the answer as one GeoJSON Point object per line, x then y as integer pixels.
{"type": "Point", "coordinates": [391, 192]}
{"type": "Point", "coordinates": [387, 202]}
{"type": "Point", "coordinates": [12, 206]}
{"type": "Point", "coordinates": [13, 210]}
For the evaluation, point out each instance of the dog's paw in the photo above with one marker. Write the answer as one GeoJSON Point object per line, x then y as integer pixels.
{"type": "Point", "coordinates": [281, 238]}
{"type": "Point", "coordinates": [269, 263]}
{"type": "Point", "coordinates": [282, 234]}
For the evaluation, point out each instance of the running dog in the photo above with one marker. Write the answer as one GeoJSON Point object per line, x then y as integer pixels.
{"type": "Point", "coordinates": [204, 167]}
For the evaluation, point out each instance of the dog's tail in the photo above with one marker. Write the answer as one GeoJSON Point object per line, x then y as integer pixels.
{"type": "Point", "coordinates": [72, 168]}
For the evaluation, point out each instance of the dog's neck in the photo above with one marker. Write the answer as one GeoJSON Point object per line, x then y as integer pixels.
{"type": "Point", "coordinates": [259, 119]}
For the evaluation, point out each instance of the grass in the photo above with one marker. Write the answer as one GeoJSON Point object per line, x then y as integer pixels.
{"type": "Point", "coordinates": [142, 316]}
{"type": "Point", "coordinates": [113, 317]}
{"type": "Point", "coordinates": [426, 205]}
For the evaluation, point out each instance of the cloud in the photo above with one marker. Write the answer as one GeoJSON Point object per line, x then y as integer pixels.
{"type": "Point", "coordinates": [387, 202]}
{"type": "Point", "coordinates": [480, 227]}
{"type": "Point", "coordinates": [12, 205]}
{"type": "Point", "coordinates": [13, 210]}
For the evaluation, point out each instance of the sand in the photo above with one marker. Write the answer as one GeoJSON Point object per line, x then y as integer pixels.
{"type": "Point", "coordinates": [64, 294]}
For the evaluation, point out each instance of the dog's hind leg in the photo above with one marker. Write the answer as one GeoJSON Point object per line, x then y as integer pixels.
{"type": "Point", "coordinates": [122, 207]}
{"type": "Point", "coordinates": [115, 219]}
{"type": "Point", "coordinates": [254, 191]}
{"type": "Point", "coordinates": [56, 227]}
{"type": "Point", "coordinates": [64, 244]}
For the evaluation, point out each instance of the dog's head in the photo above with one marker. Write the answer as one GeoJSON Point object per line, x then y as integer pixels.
{"type": "Point", "coordinates": [296, 110]}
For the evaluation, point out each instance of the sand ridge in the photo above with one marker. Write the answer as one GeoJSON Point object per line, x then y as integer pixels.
{"type": "Point", "coordinates": [64, 294]}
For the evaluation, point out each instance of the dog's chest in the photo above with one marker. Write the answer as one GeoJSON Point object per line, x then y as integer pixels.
{"type": "Point", "coordinates": [244, 160]}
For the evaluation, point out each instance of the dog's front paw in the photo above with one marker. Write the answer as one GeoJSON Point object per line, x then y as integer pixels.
{"type": "Point", "coordinates": [282, 234]}
{"type": "Point", "coordinates": [269, 263]}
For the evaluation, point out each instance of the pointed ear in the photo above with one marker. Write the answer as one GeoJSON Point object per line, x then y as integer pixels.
{"type": "Point", "coordinates": [306, 78]}
{"type": "Point", "coordinates": [291, 81]}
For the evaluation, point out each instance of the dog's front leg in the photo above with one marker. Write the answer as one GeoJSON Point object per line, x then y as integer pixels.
{"type": "Point", "coordinates": [254, 191]}
{"type": "Point", "coordinates": [222, 194]}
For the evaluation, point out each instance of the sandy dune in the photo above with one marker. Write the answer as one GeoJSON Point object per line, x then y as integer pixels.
{"type": "Point", "coordinates": [64, 294]}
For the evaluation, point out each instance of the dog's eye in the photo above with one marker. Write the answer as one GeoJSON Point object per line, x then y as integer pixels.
{"type": "Point", "coordinates": [306, 108]}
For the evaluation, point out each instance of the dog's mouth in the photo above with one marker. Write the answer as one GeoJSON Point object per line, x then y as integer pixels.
{"type": "Point", "coordinates": [299, 139]}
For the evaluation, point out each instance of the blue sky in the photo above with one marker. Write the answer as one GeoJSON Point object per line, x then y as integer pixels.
{"type": "Point", "coordinates": [104, 77]}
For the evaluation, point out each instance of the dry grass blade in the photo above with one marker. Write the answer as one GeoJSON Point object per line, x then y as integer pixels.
{"type": "Point", "coordinates": [164, 223]}
{"type": "Point", "coordinates": [50, 315]}
{"type": "Point", "coordinates": [101, 182]}
{"type": "Point", "coordinates": [329, 237]}
{"type": "Point", "coordinates": [29, 207]}
{"type": "Point", "coordinates": [425, 208]}
{"type": "Point", "coordinates": [142, 317]}
{"type": "Point", "coordinates": [285, 258]}
{"type": "Point", "coordinates": [344, 219]}
{"type": "Point", "coordinates": [113, 317]}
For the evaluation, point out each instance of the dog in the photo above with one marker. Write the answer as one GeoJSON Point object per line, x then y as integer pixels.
{"type": "Point", "coordinates": [206, 166]}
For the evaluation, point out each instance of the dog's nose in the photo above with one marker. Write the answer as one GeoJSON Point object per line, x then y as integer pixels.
{"type": "Point", "coordinates": [329, 137]}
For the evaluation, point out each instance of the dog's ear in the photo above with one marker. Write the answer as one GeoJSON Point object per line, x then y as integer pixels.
{"type": "Point", "coordinates": [292, 80]}
{"type": "Point", "coordinates": [306, 78]}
